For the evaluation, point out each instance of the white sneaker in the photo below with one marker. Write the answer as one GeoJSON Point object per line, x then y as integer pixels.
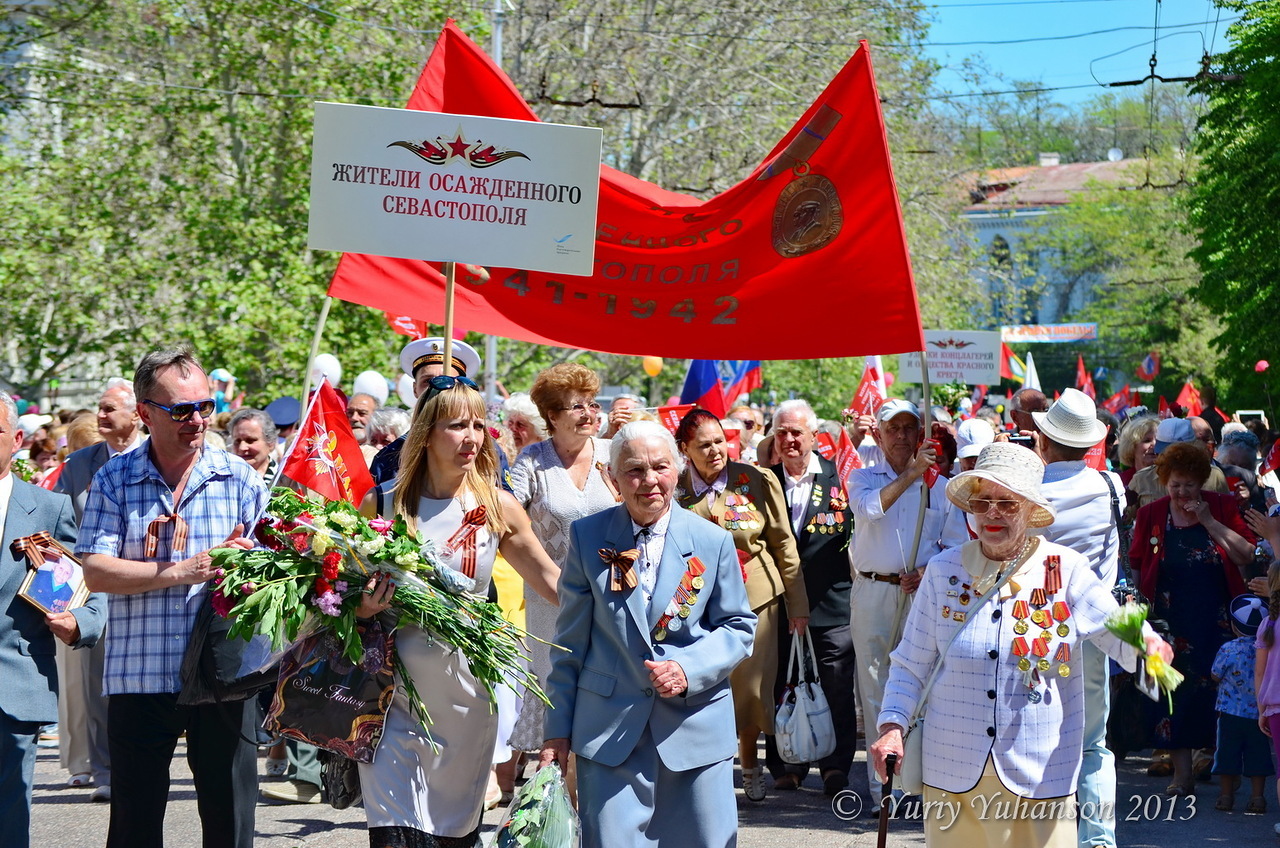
{"type": "Point", "coordinates": [753, 783]}
{"type": "Point", "coordinates": [101, 794]}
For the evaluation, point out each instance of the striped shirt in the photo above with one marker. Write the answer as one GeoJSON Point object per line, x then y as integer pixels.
{"type": "Point", "coordinates": [148, 631]}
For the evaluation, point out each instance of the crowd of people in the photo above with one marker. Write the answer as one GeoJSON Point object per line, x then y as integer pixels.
{"type": "Point", "coordinates": [964, 570]}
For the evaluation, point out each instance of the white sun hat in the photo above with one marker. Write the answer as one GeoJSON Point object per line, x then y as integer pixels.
{"type": "Point", "coordinates": [1009, 465]}
{"type": "Point", "coordinates": [1072, 420]}
{"type": "Point", "coordinates": [972, 436]}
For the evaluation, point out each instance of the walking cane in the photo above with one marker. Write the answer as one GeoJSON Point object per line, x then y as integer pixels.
{"type": "Point", "coordinates": [886, 798]}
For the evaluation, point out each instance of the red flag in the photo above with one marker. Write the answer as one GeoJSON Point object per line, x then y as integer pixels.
{"type": "Point", "coordinates": [406, 326]}
{"type": "Point", "coordinates": [733, 441]}
{"type": "Point", "coordinates": [1163, 410]}
{"type": "Point", "coordinates": [1272, 462]}
{"type": "Point", "coordinates": [1118, 402]}
{"type": "Point", "coordinates": [1096, 458]}
{"type": "Point", "coordinates": [1084, 380]}
{"type": "Point", "coordinates": [1189, 399]}
{"type": "Point", "coordinates": [871, 392]}
{"type": "Point", "coordinates": [52, 477]}
{"type": "Point", "coordinates": [325, 455]}
{"type": "Point", "coordinates": [696, 279]}
{"type": "Point", "coordinates": [669, 416]}
{"type": "Point", "coordinates": [842, 453]}
{"type": "Point", "coordinates": [1149, 367]}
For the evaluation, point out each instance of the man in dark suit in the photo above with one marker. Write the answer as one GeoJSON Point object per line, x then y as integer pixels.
{"type": "Point", "coordinates": [82, 714]}
{"type": "Point", "coordinates": [821, 521]}
{"type": "Point", "coordinates": [29, 696]}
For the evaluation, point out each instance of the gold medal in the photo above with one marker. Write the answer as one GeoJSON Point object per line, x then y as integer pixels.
{"type": "Point", "coordinates": [1020, 628]}
{"type": "Point", "coordinates": [1064, 670]}
{"type": "Point", "coordinates": [1043, 664]}
{"type": "Point", "coordinates": [661, 634]}
{"type": "Point", "coordinates": [1063, 630]}
{"type": "Point", "coordinates": [1024, 664]}
{"type": "Point", "coordinates": [1046, 635]}
{"type": "Point", "coordinates": [697, 583]}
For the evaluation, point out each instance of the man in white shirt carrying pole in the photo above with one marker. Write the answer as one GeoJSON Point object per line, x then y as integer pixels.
{"type": "Point", "coordinates": [885, 501]}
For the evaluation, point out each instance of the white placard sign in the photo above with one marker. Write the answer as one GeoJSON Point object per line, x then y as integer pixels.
{"type": "Point", "coordinates": [955, 355]}
{"type": "Point", "coordinates": [454, 188]}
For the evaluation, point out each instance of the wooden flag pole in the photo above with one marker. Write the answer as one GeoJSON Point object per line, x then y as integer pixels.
{"type": "Point", "coordinates": [448, 317]}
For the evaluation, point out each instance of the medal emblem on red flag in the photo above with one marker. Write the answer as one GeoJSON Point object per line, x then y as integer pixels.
{"type": "Point", "coordinates": [326, 456]}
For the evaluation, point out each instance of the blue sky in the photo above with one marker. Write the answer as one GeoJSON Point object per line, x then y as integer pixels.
{"type": "Point", "coordinates": [1067, 62]}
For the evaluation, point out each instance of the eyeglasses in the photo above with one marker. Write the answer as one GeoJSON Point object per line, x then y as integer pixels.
{"type": "Point", "coordinates": [981, 506]}
{"type": "Point", "coordinates": [444, 382]}
{"type": "Point", "coordinates": [184, 411]}
{"type": "Point", "coordinates": [579, 408]}
{"type": "Point", "coordinates": [746, 425]}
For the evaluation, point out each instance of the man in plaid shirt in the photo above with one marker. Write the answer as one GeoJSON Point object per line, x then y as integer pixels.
{"type": "Point", "coordinates": [151, 519]}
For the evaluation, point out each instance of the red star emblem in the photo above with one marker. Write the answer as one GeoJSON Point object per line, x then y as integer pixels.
{"type": "Point", "coordinates": [459, 146]}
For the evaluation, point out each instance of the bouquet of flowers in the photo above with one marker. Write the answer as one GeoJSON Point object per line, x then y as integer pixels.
{"type": "Point", "coordinates": [541, 815]}
{"type": "Point", "coordinates": [310, 571]}
{"type": "Point", "coordinates": [1126, 623]}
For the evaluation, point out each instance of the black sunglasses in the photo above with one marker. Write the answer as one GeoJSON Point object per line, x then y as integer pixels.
{"type": "Point", "coordinates": [444, 382]}
{"type": "Point", "coordinates": [184, 411]}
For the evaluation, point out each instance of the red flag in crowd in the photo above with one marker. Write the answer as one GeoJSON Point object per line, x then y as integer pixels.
{"type": "Point", "coordinates": [732, 262]}
{"type": "Point", "coordinates": [1011, 367]}
{"type": "Point", "coordinates": [842, 453]}
{"type": "Point", "coordinates": [1118, 402]}
{"type": "Point", "coordinates": [1163, 409]}
{"type": "Point", "coordinates": [1272, 462]}
{"type": "Point", "coordinates": [871, 392]}
{"type": "Point", "coordinates": [407, 326]}
{"type": "Point", "coordinates": [325, 455]}
{"type": "Point", "coordinates": [670, 416]}
{"type": "Point", "coordinates": [1096, 458]}
{"type": "Point", "coordinates": [1189, 399]}
{"type": "Point", "coordinates": [1084, 380]}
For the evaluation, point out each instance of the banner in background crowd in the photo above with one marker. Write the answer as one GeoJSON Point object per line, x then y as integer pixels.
{"type": "Point", "coordinates": [1048, 333]}
{"type": "Point", "coordinates": [691, 278]}
{"type": "Point", "coordinates": [962, 356]}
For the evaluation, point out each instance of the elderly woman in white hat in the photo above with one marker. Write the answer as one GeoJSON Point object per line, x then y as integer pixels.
{"type": "Point", "coordinates": [1005, 714]}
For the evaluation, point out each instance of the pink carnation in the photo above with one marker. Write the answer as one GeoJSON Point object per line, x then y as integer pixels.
{"type": "Point", "coordinates": [329, 603]}
{"type": "Point", "coordinates": [381, 525]}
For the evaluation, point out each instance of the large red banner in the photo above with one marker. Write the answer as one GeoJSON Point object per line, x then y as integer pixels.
{"type": "Point", "coordinates": [815, 233]}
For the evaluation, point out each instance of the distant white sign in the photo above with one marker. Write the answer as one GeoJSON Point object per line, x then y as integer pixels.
{"type": "Point", "coordinates": [955, 356]}
{"type": "Point", "coordinates": [459, 188]}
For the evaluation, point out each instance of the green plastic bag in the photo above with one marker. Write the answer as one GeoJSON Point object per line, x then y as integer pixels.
{"type": "Point", "coordinates": [541, 815]}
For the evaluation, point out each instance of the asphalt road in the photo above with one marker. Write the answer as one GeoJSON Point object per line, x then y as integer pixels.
{"type": "Point", "coordinates": [64, 817]}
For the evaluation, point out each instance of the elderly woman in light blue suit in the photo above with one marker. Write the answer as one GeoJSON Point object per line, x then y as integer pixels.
{"type": "Point", "coordinates": [653, 617]}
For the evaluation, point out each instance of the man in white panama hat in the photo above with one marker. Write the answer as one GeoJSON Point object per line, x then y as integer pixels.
{"type": "Point", "coordinates": [1088, 503]}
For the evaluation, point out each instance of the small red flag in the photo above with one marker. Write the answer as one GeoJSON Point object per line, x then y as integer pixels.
{"type": "Point", "coordinates": [1189, 399]}
{"type": "Point", "coordinates": [669, 416]}
{"type": "Point", "coordinates": [326, 456]}
{"type": "Point", "coordinates": [842, 453]}
{"type": "Point", "coordinates": [1272, 462]}
{"type": "Point", "coordinates": [1084, 380]}
{"type": "Point", "coordinates": [1096, 458]}
{"type": "Point", "coordinates": [407, 326]}
{"type": "Point", "coordinates": [733, 441]}
{"type": "Point", "coordinates": [871, 392]}
{"type": "Point", "coordinates": [1164, 409]}
{"type": "Point", "coordinates": [1118, 402]}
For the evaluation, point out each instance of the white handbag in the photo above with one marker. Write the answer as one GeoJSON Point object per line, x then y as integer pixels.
{"type": "Point", "coordinates": [911, 770]}
{"type": "Point", "coordinates": [803, 726]}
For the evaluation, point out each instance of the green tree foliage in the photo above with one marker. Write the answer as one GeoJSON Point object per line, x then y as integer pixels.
{"type": "Point", "coordinates": [1234, 207]}
{"type": "Point", "coordinates": [1127, 248]}
{"type": "Point", "coordinates": [158, 156]}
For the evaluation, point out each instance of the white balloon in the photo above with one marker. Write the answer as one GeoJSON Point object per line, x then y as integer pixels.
{"type": "Point", "coordinates": [373, 384]}
{"type": "Point", "coordinates": [326, 365]}
{"type": "Point", "coordinates": [404, 388]}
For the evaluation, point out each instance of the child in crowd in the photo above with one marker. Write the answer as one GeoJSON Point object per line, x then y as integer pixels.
{"type": "Point", "coordinates": [1242, 747]}
{"type": "Point", "coordinates": [1266, 675]}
